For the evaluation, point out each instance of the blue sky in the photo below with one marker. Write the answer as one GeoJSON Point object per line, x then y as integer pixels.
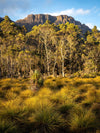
{"type": "Point", "coordinates": [85, 11]}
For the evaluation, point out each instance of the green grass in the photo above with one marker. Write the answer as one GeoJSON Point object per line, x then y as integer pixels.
{"type": "Point", "coordinates": [61, 105]}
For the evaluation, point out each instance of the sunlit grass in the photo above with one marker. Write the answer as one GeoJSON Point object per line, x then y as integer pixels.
{"type": "Point", "coordinates": [60, 105]}
{"type": "Point", "coordinates": [45, 93]}
{"type": "Point", "coordinates": [46, 120]}
{"type": "Point", "coordinates": [10, 95]}
{"type": "Point", "coordinates": [82, 119]}
{"type": "Point", "coordinates": [26, 93]}
{"type": "Point", "coordinates": [12, 109]}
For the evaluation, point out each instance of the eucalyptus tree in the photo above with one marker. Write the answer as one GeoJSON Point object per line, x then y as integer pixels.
{"type": "Point", "coordinates": [74, 44]}
{"type": "Point", "coordinates": [46, 32]}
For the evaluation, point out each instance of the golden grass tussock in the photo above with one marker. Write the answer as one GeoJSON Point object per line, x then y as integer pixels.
{"type": "Point", "coordinates": [10, 95]}
{"type": "Point", "coordinates": [82, 119]}
{"type": "Point", "coordinates": [46, 120]}
{"type": "Point", "coordinates": [63, 95]}
{"type": "Point", "coordinates": [60, 105]}
{"type": "Point", "coordinates": [11, 108]}
{"type": "Point", "coordinates": [45, 93]}
{"type": "Point", "coordinates": [30, 103]}
{"type": "Point", "coordinates": [54, 83]}
{"type": "Point", "coordinates": [85, 87]}
{"type": "Point", "coordinates": [7, 126]}
{"type": "Point", "coordinates": [26, 93]}
{"type": "Point", "coordinates": [36, 103]}
{"type": "Point", "coordinates": [16, 90]}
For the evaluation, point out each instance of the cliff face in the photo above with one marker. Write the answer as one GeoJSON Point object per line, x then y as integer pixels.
{"type": "Point", "coordinates": [37, 19]}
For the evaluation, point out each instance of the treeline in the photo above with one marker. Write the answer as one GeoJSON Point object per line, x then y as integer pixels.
{"type": "Point", "coordinates": [51, 49]}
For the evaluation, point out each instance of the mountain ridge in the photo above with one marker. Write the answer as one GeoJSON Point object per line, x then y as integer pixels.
{"type": "Point", "coordinates": [1, 19]}
{"type": "Point", "coordinates": [36, 19]}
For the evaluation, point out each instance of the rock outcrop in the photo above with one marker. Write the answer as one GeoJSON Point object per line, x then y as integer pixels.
{"type": "Point", "coordinates": [37, 19]}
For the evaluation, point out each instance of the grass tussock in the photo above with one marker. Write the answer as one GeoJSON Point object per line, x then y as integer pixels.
{"type": "Point", "coordinates": [61, 105]}
{"type": "Point", "coordinates": [82, 119]}
{"type": "Point", "coordinates": [46, 120]}
{"type": "Point", "coordinates": [7, 126]}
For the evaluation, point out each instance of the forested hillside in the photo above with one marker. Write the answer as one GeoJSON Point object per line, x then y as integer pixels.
{"type": "Point", "coordinates": [51, 49]}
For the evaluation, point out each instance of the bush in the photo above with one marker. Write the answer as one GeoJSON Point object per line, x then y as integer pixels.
{"type": "Point", "coordinates": [90, 75]}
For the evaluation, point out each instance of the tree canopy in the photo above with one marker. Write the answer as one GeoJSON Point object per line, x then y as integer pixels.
{"type": "Point", "coordinates": [51, 49]}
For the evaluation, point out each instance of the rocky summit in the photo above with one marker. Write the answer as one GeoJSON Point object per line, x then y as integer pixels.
{"type": "Point", "coordinates": [37, 19]}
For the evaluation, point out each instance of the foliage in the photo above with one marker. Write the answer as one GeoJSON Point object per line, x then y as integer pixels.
{"type": "Point", "coordinates": [37, 78]}
{"type": "Point", "coordinates": [51, 49]}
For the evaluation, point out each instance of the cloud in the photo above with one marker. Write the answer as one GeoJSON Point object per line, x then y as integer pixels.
{"type": "Point", "coordinates": [90, 25]}
{"type": "Point", "coordinates": [13, 7]}
{"type": "Point", "coordinates": [71, 12]}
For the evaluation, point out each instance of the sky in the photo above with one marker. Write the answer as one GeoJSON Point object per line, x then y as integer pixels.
{"type": "Point", "coordinates": [85, 11]}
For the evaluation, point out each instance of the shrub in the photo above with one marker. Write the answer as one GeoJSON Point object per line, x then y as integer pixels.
{"type": "Point", "coordinates": [36, 77]}
{"type": "Point", "coordinates": [89, 75]}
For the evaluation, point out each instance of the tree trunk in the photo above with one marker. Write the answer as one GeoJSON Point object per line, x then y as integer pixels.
{"type": "Point", "coordinates": [47, 56]}
{"type": "Point", "coordinates": [62, 56]}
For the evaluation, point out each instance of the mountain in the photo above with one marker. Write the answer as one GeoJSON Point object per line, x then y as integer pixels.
{"type": "Point", "coordinates": [1, 19]}
{"type": "Point", "coordinates": [37, 19]}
